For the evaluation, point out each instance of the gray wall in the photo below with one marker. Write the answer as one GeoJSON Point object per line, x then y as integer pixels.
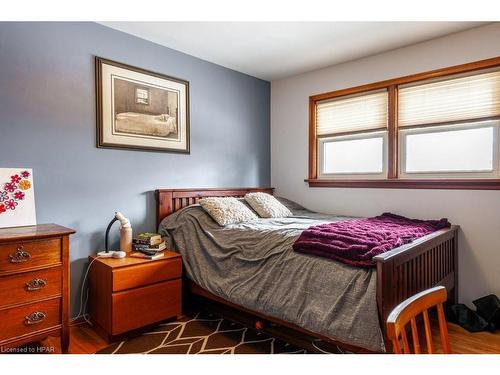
{"type": "Point", "coordinates": [47, 122]}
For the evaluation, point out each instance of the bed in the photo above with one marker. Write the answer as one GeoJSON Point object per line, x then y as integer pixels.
{"type": "Point", "coordinates": [161, 125]}
{"type": "Point", "coordinates": [351, 320]}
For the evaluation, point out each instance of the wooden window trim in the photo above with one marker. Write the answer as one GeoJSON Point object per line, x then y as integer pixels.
{"type": "Point", "coordinates": [392, 180]}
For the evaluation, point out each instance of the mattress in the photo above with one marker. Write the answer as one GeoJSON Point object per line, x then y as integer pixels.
{"type": "Point", "coordinates": [253, 265]}
{"type": "Point", "coordinates": [139, 123]}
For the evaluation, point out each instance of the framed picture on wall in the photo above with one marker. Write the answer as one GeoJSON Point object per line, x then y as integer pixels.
{"type": "Point", "coordinates": [139, 109]}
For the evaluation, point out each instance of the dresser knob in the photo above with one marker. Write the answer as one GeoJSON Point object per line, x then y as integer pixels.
{"type": "Point", "coordinates": [35, 284]}
{"type": "Point", "coordinates": [20, 256]}
{"type": "Point", "coordinates": [35, 318]}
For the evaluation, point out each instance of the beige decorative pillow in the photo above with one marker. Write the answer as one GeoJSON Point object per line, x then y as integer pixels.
{"type": "Point", "coordinates": [266, 205]}
{"type": "Point", "coordinates": [227, 210]}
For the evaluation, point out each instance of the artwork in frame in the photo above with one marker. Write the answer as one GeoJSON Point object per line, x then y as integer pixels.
{"type": "Point", "coordinates": [139, 109]}
{"type": "Point", "coordinates": [17, 198]}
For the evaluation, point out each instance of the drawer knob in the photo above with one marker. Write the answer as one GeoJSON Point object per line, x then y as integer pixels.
{"type": "Point", "coordinates": [35, 318]}
{"type": "Point", "coordinates": [20, 256]}
{"type": "Point", "coordinates": [35, 284]}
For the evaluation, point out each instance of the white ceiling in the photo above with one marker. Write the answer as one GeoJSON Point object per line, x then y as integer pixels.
{"type": "Point", "coordinates": [274, 50]}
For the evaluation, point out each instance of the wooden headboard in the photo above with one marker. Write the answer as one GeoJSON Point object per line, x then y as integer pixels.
{"type": "Point", "coordinates": [170, 200]}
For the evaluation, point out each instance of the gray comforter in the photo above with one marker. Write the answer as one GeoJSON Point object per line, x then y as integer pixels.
{"type": "Point", "coordinates": [253, 265]}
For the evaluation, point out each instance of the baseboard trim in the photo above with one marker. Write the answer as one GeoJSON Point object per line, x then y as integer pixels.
{"type": "Point", "coordinates": [77, 322]}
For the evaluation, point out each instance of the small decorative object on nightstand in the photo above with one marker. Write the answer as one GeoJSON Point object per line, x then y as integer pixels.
{"type": "Point", "coordinates": [125, 238]}
{"type": "Point", "coordinates": [131, 293]}
{"type": "Point", "coordinates": [34, 284]}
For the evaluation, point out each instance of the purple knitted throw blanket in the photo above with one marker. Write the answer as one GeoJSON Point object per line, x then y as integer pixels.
{"type": "Point", "coordinates": [356, 242]}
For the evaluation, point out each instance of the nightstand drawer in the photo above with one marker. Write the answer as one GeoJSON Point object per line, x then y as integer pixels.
{"type": "Point", "coordinates": [30, 286]}
{"type": "Point", "coordinates": [30, 318]}
{"type": "Point", "coordinates": [30, 254]}
{"type": "Point", "coordinates": [144, 274]}
{"type": "Point", "coordinates": [142, 306]}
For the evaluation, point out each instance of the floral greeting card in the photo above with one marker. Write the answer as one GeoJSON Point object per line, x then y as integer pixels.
{"type": "Point", "coordinates": [17, 198]}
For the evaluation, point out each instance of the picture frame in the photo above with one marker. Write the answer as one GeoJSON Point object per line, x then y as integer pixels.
{"type": "Point", "coordinates": [138, 109]}
{"type": "Point", "coordinates": [17, 197]}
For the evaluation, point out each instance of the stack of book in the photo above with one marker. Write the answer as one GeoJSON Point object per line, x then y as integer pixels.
{"type": "Point", "coordinates": [148, 246]}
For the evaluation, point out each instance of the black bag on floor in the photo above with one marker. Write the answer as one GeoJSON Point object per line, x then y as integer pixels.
{"type": "Point", "coordinates": [466, 318]}
{"type": "Point", "coordinates": [489, 308]}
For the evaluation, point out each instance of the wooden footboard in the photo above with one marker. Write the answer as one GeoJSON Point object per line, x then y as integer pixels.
{"type": "Point", "coordinates": [429, 261]}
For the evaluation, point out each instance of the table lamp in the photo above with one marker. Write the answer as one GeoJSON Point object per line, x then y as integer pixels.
{"type": "Point", "coordinates": [125, 238]}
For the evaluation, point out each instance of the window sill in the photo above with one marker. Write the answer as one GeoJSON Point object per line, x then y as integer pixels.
{"type": "Point", "coordinates": [458, 184]}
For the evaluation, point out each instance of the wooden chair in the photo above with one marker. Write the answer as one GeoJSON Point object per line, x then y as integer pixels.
{"type": "Point", "coordinates": [407, 311]}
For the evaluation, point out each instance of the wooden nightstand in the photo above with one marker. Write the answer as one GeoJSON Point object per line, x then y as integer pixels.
{"type": "Point", "coordinates": [34, 284]}
{"type": "Point", "coordinates": [130, 293]}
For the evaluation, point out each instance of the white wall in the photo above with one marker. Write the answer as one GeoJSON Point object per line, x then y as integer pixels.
{"type": "Point", "coordinates": [477, 212]}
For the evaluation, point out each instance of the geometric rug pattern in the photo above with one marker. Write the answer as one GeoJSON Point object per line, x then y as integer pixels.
{"type": "Point", "coordinates": [203, 333]}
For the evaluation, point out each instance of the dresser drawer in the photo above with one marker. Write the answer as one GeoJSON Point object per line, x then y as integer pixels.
{"type": "Point", "coordinates": [22, 320]}
{"type": "Point", "coordinates": [30, 286]}
{"type": "Point", "coordinates": [24, 255]}
{"type": "Point", "coordinates": [139, 307]}
{"type": "Point", "coordinates": [146, 274]}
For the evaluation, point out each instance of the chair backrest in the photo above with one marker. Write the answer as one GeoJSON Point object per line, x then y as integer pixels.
{"type": "Point", "coordinates": [407, 312]}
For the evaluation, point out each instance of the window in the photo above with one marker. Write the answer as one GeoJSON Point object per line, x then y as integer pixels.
{"type": "Point", "coordinates": [359, 154]}
{"type": "Point", "coordinates": [450, 151]}
{"type": "Point", "coordinates": [352, 136]}
{"type": "Point", "coordinates": [438, 129]}
{"type": "Point", "coordinates": [141, 95]}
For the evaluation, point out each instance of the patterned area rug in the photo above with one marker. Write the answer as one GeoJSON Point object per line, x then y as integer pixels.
{"type": "Point", "coordinates": [203, 333]}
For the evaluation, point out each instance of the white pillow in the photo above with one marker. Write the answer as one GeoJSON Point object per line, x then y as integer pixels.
{"type": "Point", "coordinates": [266, 205]}
{"type": "Point", "coordinates": [227, 210]}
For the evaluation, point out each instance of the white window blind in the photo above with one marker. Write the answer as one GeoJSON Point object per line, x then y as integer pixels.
{"type": "Point", "coordinates": [353, 113]}
{"type": "Point", "coordinates": [456, 99]}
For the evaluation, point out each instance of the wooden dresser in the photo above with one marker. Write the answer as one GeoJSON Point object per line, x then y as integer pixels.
{"type": "Point", "coordinates": [34, 284]}
{"type": "Point", "coordinates": [131, 293]}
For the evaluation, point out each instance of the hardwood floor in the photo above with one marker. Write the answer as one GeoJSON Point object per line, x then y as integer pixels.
{"type": "Point", "coordinates": [462, 341]}
{"type": "Point", "coordinates": [84, 340]}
